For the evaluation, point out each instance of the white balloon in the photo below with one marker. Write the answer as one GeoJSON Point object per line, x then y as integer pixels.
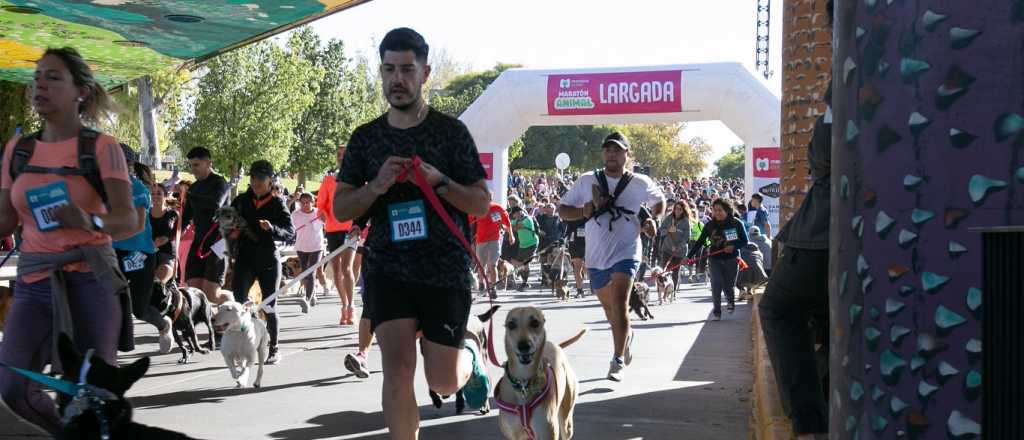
{"type": "Point", "coordinates": [562, 161]}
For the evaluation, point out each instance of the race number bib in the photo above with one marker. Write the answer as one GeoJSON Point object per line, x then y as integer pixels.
{"type": "Point", "coordinates": [408, 221]}
{"type": "Point", "coordinates": [495, 217]}
{"type": "Point", "coordinates": [133, 262]}
{"type": "Point", "coordinates": [581, 231]}
{"type": "Point", "coordinates": [730, 235]}
{"type": "Point", "coordinates": [44, 202]}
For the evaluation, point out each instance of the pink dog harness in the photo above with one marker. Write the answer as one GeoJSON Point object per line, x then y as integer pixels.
{"type": "Point", "coordinates": [525, 411]}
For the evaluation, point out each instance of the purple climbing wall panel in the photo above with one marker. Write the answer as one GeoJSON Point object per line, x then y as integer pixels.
{"type": "Point", "coordinates": [927, 145]}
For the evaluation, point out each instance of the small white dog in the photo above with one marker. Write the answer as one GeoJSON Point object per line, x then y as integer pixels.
{"type": "Point", "coordinates": [245, 341]}
{"type": "Point", "coordinates": [666, 287]}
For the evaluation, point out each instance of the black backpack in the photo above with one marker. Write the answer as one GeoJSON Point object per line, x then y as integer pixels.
{"type": "Point", "coordinates": [611, 207]}
{"type": "Point", "coordinates": [87, 165]}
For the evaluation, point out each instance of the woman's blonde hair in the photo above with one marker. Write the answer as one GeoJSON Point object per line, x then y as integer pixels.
{"type": "Point", "coordinates": [97, 103]}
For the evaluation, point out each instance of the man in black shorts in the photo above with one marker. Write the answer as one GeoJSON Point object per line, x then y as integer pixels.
{"type": "Point", "coordinates": [204, 270]}
{"type": "Point", "coordinates": [416, 270]}
{"type": "Point", "coordinates": [576, 235]}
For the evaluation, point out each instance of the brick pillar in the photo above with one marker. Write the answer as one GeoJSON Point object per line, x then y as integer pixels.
{"type": "Point", "coordinates": [806, 63]}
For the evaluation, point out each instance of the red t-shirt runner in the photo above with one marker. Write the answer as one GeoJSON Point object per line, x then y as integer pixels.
{"type": "Point", "coordinates": [488, 227]}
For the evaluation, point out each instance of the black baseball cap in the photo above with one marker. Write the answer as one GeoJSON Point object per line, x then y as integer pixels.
{"type": "Point", "coordinates": [198, 153]}
{"type": "Point", "coordinates": [616, 139]}
{"type": "Point", "coordinates": [261, 168]}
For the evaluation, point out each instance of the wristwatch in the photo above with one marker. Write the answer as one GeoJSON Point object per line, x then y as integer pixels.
{"type": "Point", "coordinates": [441, 188]}
{"type": "Point", "coordinates": [97, 222]}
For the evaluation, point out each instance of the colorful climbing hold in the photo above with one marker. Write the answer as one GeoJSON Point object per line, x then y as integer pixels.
{"type": "Point", "coordinates": [979, 186]}
{"type": "Point", "coordinates": [931, 281]}
{"type": "Point", "coordinates": [946, 319]}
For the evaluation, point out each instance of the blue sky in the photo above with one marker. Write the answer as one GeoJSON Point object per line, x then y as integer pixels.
{"type": "Point", "coordinates": [573, 34]}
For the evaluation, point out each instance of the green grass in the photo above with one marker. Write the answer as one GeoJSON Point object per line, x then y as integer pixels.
{"type": "Point", "coordinates": [290, 184]}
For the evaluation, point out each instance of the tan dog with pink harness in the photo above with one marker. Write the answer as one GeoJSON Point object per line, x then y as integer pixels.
{"type": "Point", "coordinates": [537, 393]}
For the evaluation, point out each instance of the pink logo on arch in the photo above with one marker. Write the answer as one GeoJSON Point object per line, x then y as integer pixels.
{"type": "Point", "coordinates": [615, 93]}
{"type": "Point", "coordinates": [767, 162]}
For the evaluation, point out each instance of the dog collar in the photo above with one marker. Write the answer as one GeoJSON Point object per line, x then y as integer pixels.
{"type": "Point", "coordinates": [525, 411]}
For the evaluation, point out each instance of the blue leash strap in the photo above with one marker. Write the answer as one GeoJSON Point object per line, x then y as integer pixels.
{"type": "Point", "coordinates": [61, 386]}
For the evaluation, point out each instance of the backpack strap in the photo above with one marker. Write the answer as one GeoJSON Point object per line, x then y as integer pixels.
{"type": "Point", "coordinates": [611, 207]}
{"type": "Point", "coordinates": [88, 167]}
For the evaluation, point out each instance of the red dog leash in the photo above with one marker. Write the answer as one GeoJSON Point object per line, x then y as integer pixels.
{"type": "Point", "coordinates": [435, 203]}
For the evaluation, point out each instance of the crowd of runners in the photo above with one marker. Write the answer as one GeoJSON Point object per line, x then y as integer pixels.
{"type": "Point", "coordinates": [89, 218]}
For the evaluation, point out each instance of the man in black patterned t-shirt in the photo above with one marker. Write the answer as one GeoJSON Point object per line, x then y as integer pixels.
{"type": "Point", "coordinates": [416, 272]}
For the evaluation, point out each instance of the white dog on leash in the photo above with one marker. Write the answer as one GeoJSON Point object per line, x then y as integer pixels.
{"type": "Point", "coordinates": [245, 341]}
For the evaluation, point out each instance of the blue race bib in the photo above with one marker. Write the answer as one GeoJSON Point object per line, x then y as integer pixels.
{"type": "Point", "coordinates": [408, 221]}
{"type": "Point", "coordinates": [44, 201]}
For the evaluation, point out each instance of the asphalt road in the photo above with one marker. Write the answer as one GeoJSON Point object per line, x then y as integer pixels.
{"type": "Point", "coordinates": [690, 379]}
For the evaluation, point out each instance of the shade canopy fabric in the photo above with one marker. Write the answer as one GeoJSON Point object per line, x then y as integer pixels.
{"type": "Point", "coordinates": [126, 39]}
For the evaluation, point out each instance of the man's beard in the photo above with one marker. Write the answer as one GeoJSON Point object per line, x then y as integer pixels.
{"type": "Point", "coordinates": [405, 107]}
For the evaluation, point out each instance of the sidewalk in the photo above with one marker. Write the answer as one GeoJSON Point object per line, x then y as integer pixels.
{"type": "Point", "coordinates": [690, 379]}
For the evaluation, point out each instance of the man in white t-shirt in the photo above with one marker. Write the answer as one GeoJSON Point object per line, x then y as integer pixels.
{"type": "Point", "coordinates": [613, 252]}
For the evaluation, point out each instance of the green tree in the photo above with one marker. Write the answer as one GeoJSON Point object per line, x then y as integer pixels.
{"type": "Point", "coordinates": [457, 96]}
{"type": "Point", "coordinates": [343, 100]}
{"type": "Point", "coordinates": [659, 146]}
{"type": "Point", "coordinates": [247, 105]}
{"type": "Point", "coordinates": [730, 166]}
{"type": "Point", "coordinates": [171, 88]}
{"type": "Point", "coordinates": [15, 110]}
{"type": "Point", "coordinates": [581, 142]}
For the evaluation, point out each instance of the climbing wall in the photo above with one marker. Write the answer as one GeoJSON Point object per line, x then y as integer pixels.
{"type": "Point", "coordinates": [927, 145]}
{"type": "Point", "coordinates": [806, 61]}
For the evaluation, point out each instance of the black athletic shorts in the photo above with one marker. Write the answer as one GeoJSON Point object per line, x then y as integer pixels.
{"type": "Point", "coordinates": [212, 268]}
{"type": "Point", "coordinates": [578, 248]}
{"type": "Point", "coordinates": [526, 254]}
{"type": "Point", "coordinates": [335, 240]}
{"type": "Point", "coordinates": [442, 312]}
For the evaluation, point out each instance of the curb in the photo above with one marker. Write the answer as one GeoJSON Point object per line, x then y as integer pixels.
{"type": "Point", "coordinates": [770, 421]}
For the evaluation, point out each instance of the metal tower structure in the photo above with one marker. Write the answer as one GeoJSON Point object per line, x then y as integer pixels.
{"type": "Point", "coordinates": [763, 32]}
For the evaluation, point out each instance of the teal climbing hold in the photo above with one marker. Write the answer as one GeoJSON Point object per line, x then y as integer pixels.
{"type": "Point", "coordinates": [962, 37]}
{"type": "Point", "coordinates": [896, 405]}
{"type": "Point", "coordinates": [856, 391]}
{"type": "Point", "coordinates": [974, 299]}
{"type": "Point", "coordinates": [960, 426]}
{"type": "Point", "coordinates": [851, 132]}
{"type": "Point", "coordinates": [916, 363]}
{"type": "Point", "coordinates": [918, 123]}
{"type": "Point", "coordinates": [883, 222]}
{"type": "Point", "coordinates": [877, 393]}
{"type": "Point", "coordinates": [926, 343]}
{"type": "Point", "coordinates": [906, 289]}
{"type": "Point", "coordinates": [973, 346]}
{"type": "Point", "coordinates": [910, 68]}
{"type": "Point", "coordinates": [956, 248]}
{"type": "Point", "coordinates": [860, 32]}
{"type": "Point", "coordinates": [919, 216]}
{"type": "Point", "coordinates": [844, 186]}
{"type": "Point", "coordinates": [871, 334]}
{"type": "Point", "coordinates": [925, 389]}
{"type": "Point", "coordinates": [851, 422]}
{"type": "Point", "coordinates": [842, 283]}
{"type": "Point", "coordinates": [862, 265]}
{"type": "Point", "coordinates": [891, 365]}
{"type": "Point", "coordinates": [878, 424]}
{"type": "Point", "coordinates": [931, 19]}
{"type": "Point", "coordinates": [893, 306]}
{"type": "Point", "coordinates": [960, 139]}
{"type": "Point", "coordinates": [865, 287]}
{"type": "Point", "coordinates": [855, 310]}
{"type": "Point", "coordinates": [874, 313]}
{"type": "Point", "coordinates": [979, 186]}
{"type": "Point", "coordinates": [932, 281]}
{"type": "Point", "coordinates": [947, 319]}
{"type": "Point", "coordinates": [1007, 125]}
{"type": "Point", "coordinates": [911, 181]}
{"type": "Point", "coordinates": [883, 68]}
{"type": "Point", "coordinates": [973, 380]}
{"type": "Point", "coordinates": [946, 370]}
{"type": "Point", "coordinates": [1020, 174]}
{"type": "Point", "coordinates": [906, 237]}
{"type": "Point", "coordinates": [896, 334]}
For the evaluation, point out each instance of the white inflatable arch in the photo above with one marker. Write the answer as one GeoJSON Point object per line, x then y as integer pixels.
{"type": "Point", "coordinates": [521, 98]}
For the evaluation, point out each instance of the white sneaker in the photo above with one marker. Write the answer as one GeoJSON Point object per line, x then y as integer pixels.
{"type": "Point", "coordinates": [165, 336]}
{"type": "Point", "coordinates": [615, 370]}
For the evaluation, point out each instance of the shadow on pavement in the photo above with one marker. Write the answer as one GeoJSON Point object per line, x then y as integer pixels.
{"type": "Point", "coordinates": [216, 395]}
{"type": "Point", "coordinates": [716, 410]}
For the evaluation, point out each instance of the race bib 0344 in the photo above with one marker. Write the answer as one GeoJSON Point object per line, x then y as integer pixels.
{"type": "Point", "coordinates": [408, 221]}
{"type": "Point", "coordinates": [44, 201]}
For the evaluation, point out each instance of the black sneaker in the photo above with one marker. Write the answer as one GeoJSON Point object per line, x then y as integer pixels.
{"type": "Point", "coordinates": [579, 293]}
{"type": "Point", "coordinates": [312, 300]}
{"type": "Point", "coordinates": [522, 287]}
{"type": "Point", "coordinates": [717, 314]}
{"type": "Point", "coordinates": [493, 294]}
{"type": "Point", "coordinates": [304, 304]}
{"type": "Point", "coordinates": [730, 307]}
{"type": "Point", "coordinates": [273, 358]}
